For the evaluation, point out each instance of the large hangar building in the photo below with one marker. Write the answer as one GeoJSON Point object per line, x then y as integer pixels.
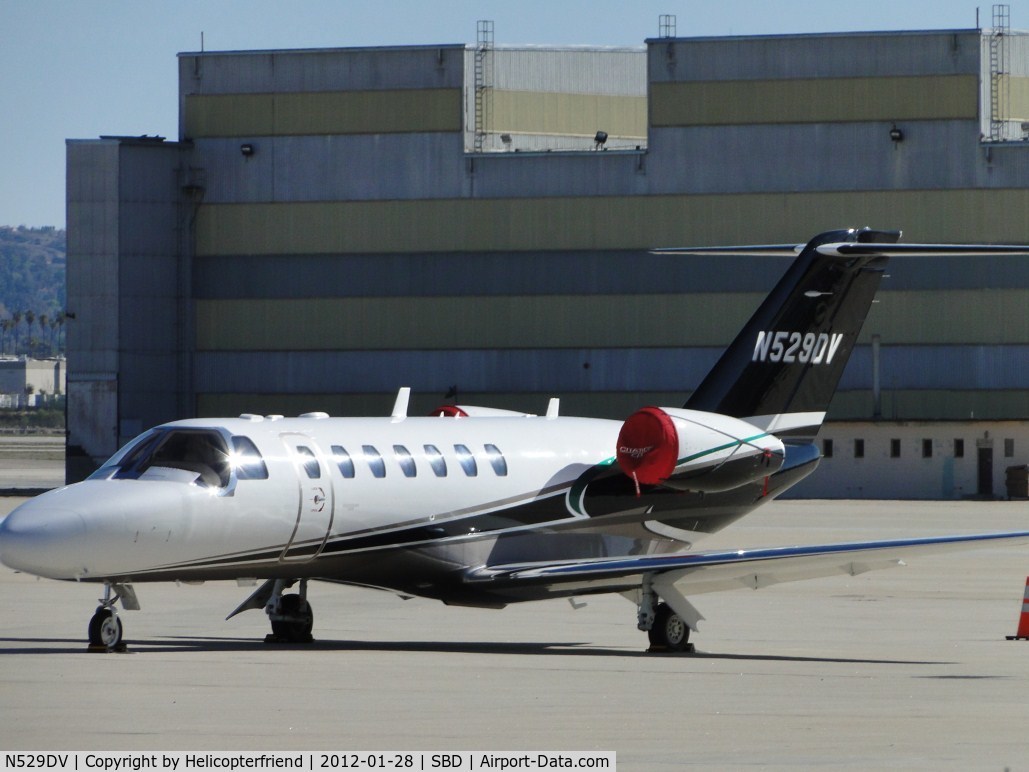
{"type": "Point", "coordinates": [333, 224]}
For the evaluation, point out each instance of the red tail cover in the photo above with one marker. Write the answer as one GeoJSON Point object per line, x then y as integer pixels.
{"type": "Point", "coordinates": [648, 446]}
{"type": "Point", "coordinates": [453, 411]}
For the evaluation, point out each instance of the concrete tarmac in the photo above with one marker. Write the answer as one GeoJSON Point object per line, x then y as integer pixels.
{"type": "Point", "coordinates": [906, 668]}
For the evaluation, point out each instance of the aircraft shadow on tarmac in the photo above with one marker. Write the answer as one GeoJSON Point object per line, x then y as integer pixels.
{"type": "Point", "coordinates": [567, 648]}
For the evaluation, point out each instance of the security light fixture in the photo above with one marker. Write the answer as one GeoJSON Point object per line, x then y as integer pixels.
{"type": "Point", "coordinates": [896, 134]}
{"type": "Point", "coordinates": [600, 139]}
{"type": "Point", "coordinates": [246, 149]}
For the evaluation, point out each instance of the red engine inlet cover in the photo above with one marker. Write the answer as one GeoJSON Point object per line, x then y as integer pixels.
{"type": "Point", "coordinates": [452, 411]}
{"type": "Point", "coordinates": [648, 446]}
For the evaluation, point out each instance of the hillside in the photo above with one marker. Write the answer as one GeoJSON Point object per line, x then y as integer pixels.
{"type": "Point", "coordinates": [32, 289]}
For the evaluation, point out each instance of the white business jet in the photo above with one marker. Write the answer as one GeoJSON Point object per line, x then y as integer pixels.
{"type": "Point", "coordinates": [485, 507]}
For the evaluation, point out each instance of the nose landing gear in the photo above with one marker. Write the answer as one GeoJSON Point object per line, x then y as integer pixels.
{"type": "Point", "coordinates": [105, 628]}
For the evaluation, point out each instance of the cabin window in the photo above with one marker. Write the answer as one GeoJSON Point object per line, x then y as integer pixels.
{"type": "Point", "coordinates": [466, 460]}
{"type": "Point", "coordinates": [894, 448]}
{"type": "Point", "coordinates": [374, 461]}
{"type": "Point", "coordinates": [859, 448]}
{"type": "Point", "coordinates": [827, 448]}
{"type": "Point", "coordinates": [959, 448]}
{"type": "Point", "coordinates": [246, 460]}
{"type": "Point", "coordinates": [309, 462]}
{"type": "Point", "coordinates": [1009, 448]}
{"type": "Point", "coordinates": [343, 461]}
{"type": "Point", "coordinates": [407, 465]}
{"type": "Point", "coordinates": [497, 460]}
{"type": "Point", "coordinates": [436, 460]}
{"type": "Point", "coordinates": [927, 448]}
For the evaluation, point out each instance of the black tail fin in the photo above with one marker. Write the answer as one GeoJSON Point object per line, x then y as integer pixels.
{"type": "Point", "coordinates": [784, 366]}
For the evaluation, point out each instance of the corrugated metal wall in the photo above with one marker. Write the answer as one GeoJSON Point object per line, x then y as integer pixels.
{"type": "Point", "coordinates": [359, 247]}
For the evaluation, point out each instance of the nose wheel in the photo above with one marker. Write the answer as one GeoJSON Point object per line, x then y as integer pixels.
{"type": "Point", "coordinates": [105, 629]}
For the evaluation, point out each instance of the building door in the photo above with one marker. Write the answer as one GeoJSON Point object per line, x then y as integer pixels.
{"type": "Point", "coordinates": [985, 487]}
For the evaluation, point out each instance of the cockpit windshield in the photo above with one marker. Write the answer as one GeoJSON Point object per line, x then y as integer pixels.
{"type": "Point", "coordinates": [194, 455]}
{"type": "Point", "coordinates": [203, 457]}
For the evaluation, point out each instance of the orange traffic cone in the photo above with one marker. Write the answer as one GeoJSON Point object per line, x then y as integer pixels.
{"type": "Point", "coordinates": [1023, 620]}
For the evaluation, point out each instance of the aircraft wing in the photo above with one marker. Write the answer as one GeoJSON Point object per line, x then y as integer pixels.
{"type": "Point", "coordinates": [702, 572]}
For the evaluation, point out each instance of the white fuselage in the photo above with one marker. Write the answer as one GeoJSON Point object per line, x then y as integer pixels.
{"type": "Point", "coordinates": [329, 490]}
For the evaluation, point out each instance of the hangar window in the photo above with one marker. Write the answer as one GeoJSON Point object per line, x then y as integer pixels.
{"type": "Point", "coordinates": [436, 460]}
{"type": "Point", "coordinates": [827, 448]}
{"type": "Point", "coordinates": [927, 448]}
{"type": "Point", "coordinates": [497, 460]}
{"type": "Point", "coordinates": [859, 448]}
{"type": "Point", "coordinates": [894, 448]}
{"type": "Point", "coordinates": [246, 460]}
{"type": "Point", "coordinates": [466, 460]}
{"type": "Point", "coordinates": [309, 462]}
{"type": "Point", "coordinates": [374, 461]}
{"type": "Point", "coordinates": [343, 461]}
{"type": "Point", "coordinates": [200, 456]}
{"type": "Point", "coordinates": [959, 448]}
{"type": "Point", "coordinates": [407, 465]}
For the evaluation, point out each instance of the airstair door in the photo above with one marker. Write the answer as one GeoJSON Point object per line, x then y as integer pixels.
{"type": "Point", "coordinates": [315, 499]}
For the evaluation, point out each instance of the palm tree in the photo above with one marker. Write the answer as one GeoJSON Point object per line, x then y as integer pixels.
{"type": "Point", "coordinates": [16, 321]}
{"type": "Point", "coordinates": [59, 326]}
{"type": "Point", "coordinates": [44, 329]}
{"type": "Point", "coordinates": [30, 320]}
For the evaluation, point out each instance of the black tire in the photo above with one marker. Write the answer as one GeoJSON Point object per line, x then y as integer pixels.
{"type": "Point", "coordinates": [670, 632]}
{"type": "Point", "coordinates": [105, 628]}
{"type": "Point", "coordinates": [297, 628]}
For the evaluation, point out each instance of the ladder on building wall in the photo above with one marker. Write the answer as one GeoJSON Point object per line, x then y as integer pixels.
{"type": "Point", "coordinates": [483, 80]}
{"type": "Point", "coordinates": [998, 70]}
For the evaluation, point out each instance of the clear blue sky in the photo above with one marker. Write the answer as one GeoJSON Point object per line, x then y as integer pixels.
{"type": "Point", "coordinates": [82, 68]}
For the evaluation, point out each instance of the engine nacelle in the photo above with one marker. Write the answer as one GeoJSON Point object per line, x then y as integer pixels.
{"type": "Point", "coordinates": [694, 450]}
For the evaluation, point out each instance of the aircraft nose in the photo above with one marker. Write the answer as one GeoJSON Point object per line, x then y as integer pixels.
{"type": "Point", "coordinates": [43, 541]}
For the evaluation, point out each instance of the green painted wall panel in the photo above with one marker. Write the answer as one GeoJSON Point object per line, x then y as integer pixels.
{"type": "Point", "coordinates": [581, 115]}
{"type": "Point", "coordinates": [816, 100]}
{"type": "Point", "coordinates": [632, 222]}
{"type": "Point", "coordinates": [581, 321]}
{"type": "Point", "coordinates": [347, 112]}
{"type": "Point", "coordinates": [551, 321]}
{"type": "Point", "coordinates": [1014, 98]}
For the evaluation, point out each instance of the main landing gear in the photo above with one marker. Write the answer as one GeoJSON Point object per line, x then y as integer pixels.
{"type": "Point", "coordinates": [667, 628]}
{"type": "Point", "coordinates": [105, 627]}
{"type": "Point", "coordinates": [291, 615]}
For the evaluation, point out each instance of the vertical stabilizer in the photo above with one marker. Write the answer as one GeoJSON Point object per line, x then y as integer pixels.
{"type": "Point", "coordinates": [781, 371]}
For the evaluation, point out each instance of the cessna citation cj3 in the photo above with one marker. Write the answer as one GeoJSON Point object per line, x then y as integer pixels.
{"type": "Point", "coordinates": [483, 507]}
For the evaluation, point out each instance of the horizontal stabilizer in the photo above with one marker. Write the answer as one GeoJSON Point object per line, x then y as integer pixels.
{"type": "Point", "coordinates": [921, 250]}
{"type": "Point", "coordinates": [773, 250]}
